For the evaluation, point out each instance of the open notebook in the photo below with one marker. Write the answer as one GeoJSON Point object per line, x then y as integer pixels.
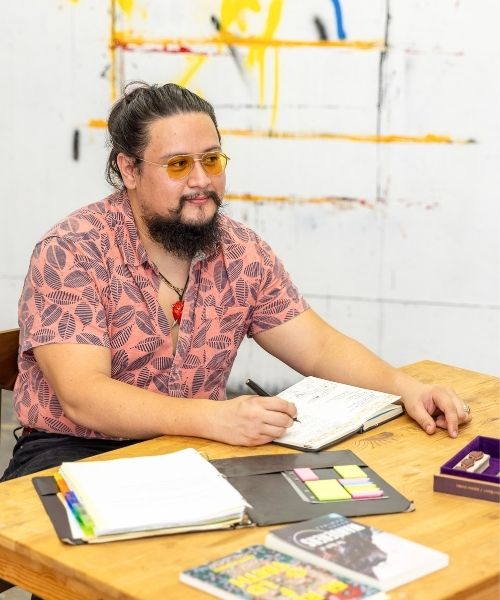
{"type": "Point", "coordinates": [124, 498]}
{"type": "Point", "coordinates": [329, 412]}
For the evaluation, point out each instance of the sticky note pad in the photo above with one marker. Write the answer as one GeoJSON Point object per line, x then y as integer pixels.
{"type": "Point", "coordinates": [361, 494]}
{"type": "Point", "coordinates": [328, 489]}
{"type": "Point", "coordinates": [356, 491]}
{"type": "Point", "coordinates": [364, 486]}
{"type": "Point", "coordinates": [305, 474]}
{"type": "Point", "coordinates": [356, 481]}
{"type": "Point", "coordinates": [349, 471]}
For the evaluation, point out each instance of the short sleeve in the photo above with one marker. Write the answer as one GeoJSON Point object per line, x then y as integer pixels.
{"type": "Point", "coordinates": [279, 300]}
{"type": "Point", "coordinates": [60, 302]}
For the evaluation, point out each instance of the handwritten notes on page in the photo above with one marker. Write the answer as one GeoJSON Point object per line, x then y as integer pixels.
{"type": "Point", "coordinates": [330, 411]}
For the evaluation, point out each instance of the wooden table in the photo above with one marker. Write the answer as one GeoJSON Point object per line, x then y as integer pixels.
{"type": "Point", "coordinates": [32, 557]}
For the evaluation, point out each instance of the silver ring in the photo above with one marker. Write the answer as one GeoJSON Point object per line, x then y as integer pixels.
{"type": "Point", "coordinates": [466, 408]}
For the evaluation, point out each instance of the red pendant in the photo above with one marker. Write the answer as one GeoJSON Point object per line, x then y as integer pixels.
{"type": "Point", "coordinates": [177, 310]}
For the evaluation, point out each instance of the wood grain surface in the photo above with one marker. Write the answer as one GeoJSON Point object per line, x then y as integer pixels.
{"type": "Point", "coordinates": [32, 557]}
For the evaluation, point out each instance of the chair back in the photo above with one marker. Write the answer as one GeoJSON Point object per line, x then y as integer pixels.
{"type": "Point", "coordinates": [9, 345]}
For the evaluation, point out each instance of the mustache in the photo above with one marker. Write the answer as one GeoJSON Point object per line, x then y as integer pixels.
{"type": "Point", "coordinates": [183, 199]}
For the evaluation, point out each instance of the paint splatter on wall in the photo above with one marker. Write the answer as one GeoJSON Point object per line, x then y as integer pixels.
{"type": "Point", "coordinates": [363, 134]}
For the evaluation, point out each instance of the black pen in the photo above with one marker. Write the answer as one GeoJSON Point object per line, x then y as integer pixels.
{"type": "Point", "coordinates": [258, 390]}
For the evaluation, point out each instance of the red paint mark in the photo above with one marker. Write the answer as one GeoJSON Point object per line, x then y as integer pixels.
{"type": "Point", "coordinates": [131, 47]}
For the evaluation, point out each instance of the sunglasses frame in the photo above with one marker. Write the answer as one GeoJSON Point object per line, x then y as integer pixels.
{"type": "Point", "coordinates": [198, 157]}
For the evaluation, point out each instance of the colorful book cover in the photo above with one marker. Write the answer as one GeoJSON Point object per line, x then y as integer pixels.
{"type": "Point", "coordinates": [352, 549]}
{"type": "Point", "coordinates": [257, 572]}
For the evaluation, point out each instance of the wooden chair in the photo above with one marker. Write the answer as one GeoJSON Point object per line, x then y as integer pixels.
{"type": "Point", "coordinates": [9, 344]}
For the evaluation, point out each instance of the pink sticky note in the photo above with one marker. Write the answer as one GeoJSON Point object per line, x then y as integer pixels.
{"type": "Point", "coordinates": [305, 474]}
{"type": "Point", "coordinates": [358, 495]}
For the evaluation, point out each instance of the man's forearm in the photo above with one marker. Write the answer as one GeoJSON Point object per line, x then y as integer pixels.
{"type": "Point", "coordinates": [119, 409]}
{"type": "Point", "coordinates": [345, 360]}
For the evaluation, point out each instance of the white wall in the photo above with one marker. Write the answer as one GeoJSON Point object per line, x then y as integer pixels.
{"type": "Point", "coordinates": [394, 243]}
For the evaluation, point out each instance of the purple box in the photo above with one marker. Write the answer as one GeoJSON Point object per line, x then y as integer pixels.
{"type": "Point", "coordinates": [485, 485]}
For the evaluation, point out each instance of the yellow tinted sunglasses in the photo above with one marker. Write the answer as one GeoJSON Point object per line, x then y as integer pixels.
{"type": "Point", "coordinates": [181, 165]}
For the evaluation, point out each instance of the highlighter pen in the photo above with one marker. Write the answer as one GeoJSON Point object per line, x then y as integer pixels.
{"type": "Point", "coordinates": [259, 391]}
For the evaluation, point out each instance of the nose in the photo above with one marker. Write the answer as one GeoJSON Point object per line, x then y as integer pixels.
{"type": "Point", "coordinates": [198, 176]}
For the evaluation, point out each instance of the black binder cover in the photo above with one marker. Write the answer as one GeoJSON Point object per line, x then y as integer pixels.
{"type": "Point", "coordinates": [260, 481]}
{"type": "Point", "coordinates": [46, 488]}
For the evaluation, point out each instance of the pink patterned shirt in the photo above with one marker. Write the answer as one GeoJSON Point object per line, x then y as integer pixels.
{"type": "Point", "coordinates": [90, 282]}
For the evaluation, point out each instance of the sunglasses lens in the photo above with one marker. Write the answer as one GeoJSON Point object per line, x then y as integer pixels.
{"type": "Point", "coordinates": [214, 163]}
{"type": "Point", "coordinates": [179, 166]}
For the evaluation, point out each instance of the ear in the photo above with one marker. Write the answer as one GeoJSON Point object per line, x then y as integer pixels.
{"type": "Point", "coordinates": [128, 170]}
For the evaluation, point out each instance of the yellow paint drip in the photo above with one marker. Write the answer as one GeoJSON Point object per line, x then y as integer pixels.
{"type": "Point", "coordinates": [274, 113]}
{"type": "Point", "coordinates": [194, 64]}
{"type": "Point", "coordinates": [256, 55]}
{"type": "Point", "coordinates": [232, 12]}
{"type": "Point", "coordinates": [127, 6]}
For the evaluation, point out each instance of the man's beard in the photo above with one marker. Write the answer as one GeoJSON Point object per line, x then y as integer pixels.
{"type": "Point", "coordinates": [185, 240]}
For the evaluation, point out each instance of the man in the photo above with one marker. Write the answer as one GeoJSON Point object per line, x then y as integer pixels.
{"type": "Point", "coordinates": [134, 307]}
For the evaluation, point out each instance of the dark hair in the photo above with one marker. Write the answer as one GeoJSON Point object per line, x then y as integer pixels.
{"type": "Point", "coordinates": [140, 105]}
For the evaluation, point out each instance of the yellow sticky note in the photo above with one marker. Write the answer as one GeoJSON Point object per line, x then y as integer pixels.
{"type": "Point", "coordinates": [349, 471]}
{"type": "Point", "coordinates": [328, 489]}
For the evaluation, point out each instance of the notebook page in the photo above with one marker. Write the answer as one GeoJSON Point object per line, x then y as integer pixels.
{"type": "Point", "coordinates": [328, 410]}
{"type": "Point", "coordinates": [135, 494]}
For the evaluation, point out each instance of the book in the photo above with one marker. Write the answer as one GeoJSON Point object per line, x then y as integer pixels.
{"type": "Point", "coordinates": [348, 548]}
{"type": "Point", "coordinates": [263, 573]}
{"type": "Point", "coordinates": [329, 412]}
{"type": "Point", "coordinates": [151, 495]}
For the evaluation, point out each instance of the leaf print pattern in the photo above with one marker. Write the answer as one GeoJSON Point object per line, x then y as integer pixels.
{"type": "Point", "coordinates": [51, 314]}
{"type": "Point", "coordinates": [122, 316]}
{"type": "Point", "coordinates": [66, 326]}
{"type": "Point", "coordinates": [218, 360]}
{"type": "Point", "coordinates": [63, 298]}
{"type": "Point", "coordinates": [230, 322]}
{"type": "Point", "coordinates": [220, 277]}
{"type": "Point", "coordinates": [37, 276]}
{"type": "Point", "coordinates": [76, 279]}
{"type": "Point", "coordinates": [90, 282]}
{"type": "Point", "coordinates": [44, 336]}
{"type": "Point", "coordinates": [84, 313]}
{"type": "Point", "coordinates": [144, 323]}
{"type": "Point", "coordinates": [149, 344]}
{"type": "Point", "coordinates": [218, 342]}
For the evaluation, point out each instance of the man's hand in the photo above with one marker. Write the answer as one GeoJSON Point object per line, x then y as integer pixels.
{"type": "Point", "coordinates": [250, 420]}
{"type": "Point", "coordinates": [433, 406]}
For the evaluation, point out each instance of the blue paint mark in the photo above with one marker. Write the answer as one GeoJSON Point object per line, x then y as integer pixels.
{"type": "Point", "coordinates": [338, 17]}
